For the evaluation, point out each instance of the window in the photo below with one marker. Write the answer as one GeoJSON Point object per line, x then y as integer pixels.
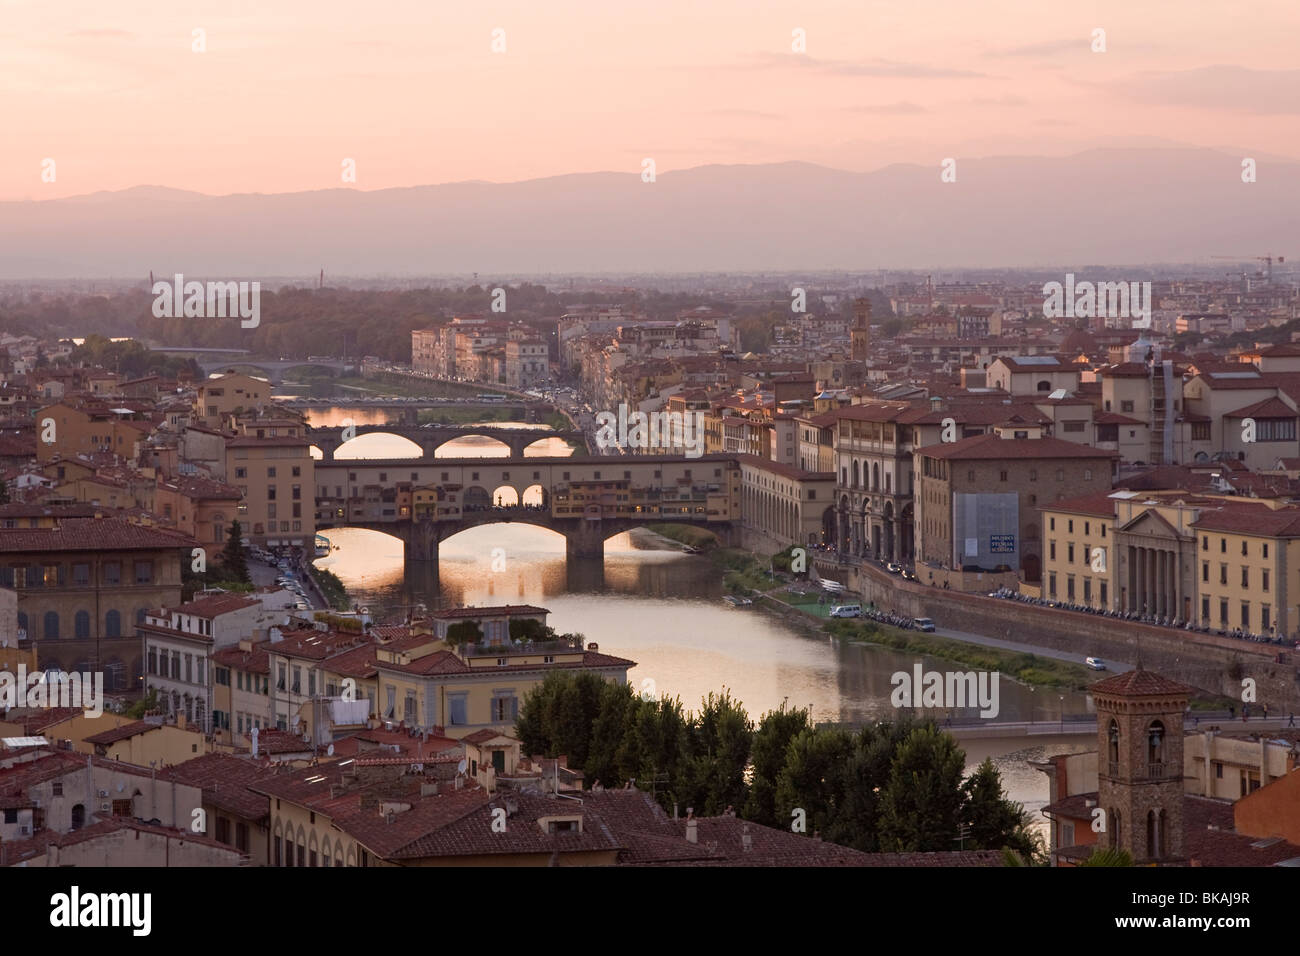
{"type": "Point", "coordinates": [1244, 549]}
{"type": "Point", "coordinates": [1069, 550]}
{"type": "Point", "coordinates": [1245, 615]}
{"type": "Point", "coordinates": [1051, 584]}
{"type": "Point", "coordinates": [1126, 406]}
{"type": "Point", "coordinates": [1265, 547]}
{"type": "Point", "coordinates": [270, 471]}
{"type": "Point", "coordinates": [1002, 476]}
{"type": "Point", "coordinates": [1265, 612]}
{"type": "Point", "coordinates": [1060, 474]}
{"type": "Point", "coordinates": [1223, 546]}
{"type": "Point", "coordinates": [1051, 548]}
{"type": "Point", "coordinates": [1205, 542]}
{"type": "Point", "coordinates": [144, 572]}
{"type": "Point", "coordinates": [1205, 571]}
{"type": "Point", "coordinates": [1223, 574]}
{"type": "Point", "coordinates": [1205, 609]}
{"type": "Point", "coordinates": [112, 624]}
{"type": "Point", "coordinates": [1245, 577]}
{"type": "Point", "coordinates": [112, 573]}
{"type": "Point", "coordinates": [1264, 581]}
{"type": "Point", "coordinates": [51, 626]}
{"type": "Point", "coordinates": [970, 475]}
{"type": "Point", "coordinates": [1087, 474]}
{"type": "Point", "coordinates": [1223, 612]}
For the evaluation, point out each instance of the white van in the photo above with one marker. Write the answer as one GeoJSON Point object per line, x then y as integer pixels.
{"type": "Point", "coordinates": [847, 610]}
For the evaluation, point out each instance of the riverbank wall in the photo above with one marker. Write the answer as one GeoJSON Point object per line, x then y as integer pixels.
{"type": "Point", "coordinates": [1214, 664]}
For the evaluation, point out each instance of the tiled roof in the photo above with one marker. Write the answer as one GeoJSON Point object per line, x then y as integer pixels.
{"type": "Point", "coordinates": [446, 662]}
{"type": "Point", "coordinates": [224, 780]}
{"type": "Point", "coordinates": [1100, 504]}
{"type": "Point", "coordinates": [993, 447]}
{"type": "Point", "coordinates": [1139, 683]}
{"type": "Point", "coordinates": [1250, 518]}
{"type": "Point", "coordinates": [124, 732]}
{"type": "Point", "coordinates": [92, 534]}
{"type": "Point", "coordinates": [1268, 408]}
{"type": "Point", "coordinates": [215, 605]}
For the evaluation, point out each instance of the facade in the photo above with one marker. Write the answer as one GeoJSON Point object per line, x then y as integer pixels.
{"type": "Point", "coordinates": [1035, 471]}
{"type": "Point", "coordinates": [71, 428]}
{"type": "Point", "coordinates": [275, 476]}
{"type": "Point", "coordinates": [84, 583]}
{"type": "Point", "coordinates": [527, 363]}
{"type": "Point", "coordinates": [226, 395]}
{"type": "Point", "coordinates": [786, 505]}
{"type": "Point", "coordinates": [873, 452]}
{"type": "Point", "coordinates": [424, 351]}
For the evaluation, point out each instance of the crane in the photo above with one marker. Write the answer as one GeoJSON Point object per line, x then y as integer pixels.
{"type": "Point", "coordinates": [1268, 260]}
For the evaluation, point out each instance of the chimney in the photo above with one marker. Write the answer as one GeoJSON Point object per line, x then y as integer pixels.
{"type": "Point", "coordinates": [692, 832]}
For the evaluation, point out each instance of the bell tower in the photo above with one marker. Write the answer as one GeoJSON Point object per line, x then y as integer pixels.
{"type": "Point", "coordinates": [1140, 764]}
{"type": "Point", "coordinates": [860, 334]}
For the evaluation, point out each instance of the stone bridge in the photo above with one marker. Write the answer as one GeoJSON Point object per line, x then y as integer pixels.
{"type": "Point", "coordinates": [274, 369]}
{"type": "Point", "coordinates": [587, 499]}
{"type": "Point", "coordinates": [329, 438]}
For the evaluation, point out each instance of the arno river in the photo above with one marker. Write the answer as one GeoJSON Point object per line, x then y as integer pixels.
{"type": "Point", "coordinates": [662, 609]}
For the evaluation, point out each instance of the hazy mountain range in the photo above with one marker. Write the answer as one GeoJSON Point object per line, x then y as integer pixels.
{"type": "Point", "coordinates": [1111, 206]}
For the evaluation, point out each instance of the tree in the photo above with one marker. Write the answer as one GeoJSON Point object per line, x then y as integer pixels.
{"type": "Point", "coordinates": [525, 629]}
{"type": "Point", "coordinates": [234, 566]}
{"type": "Point", "coordinates": [767, 757]}
{"type": "Point", "coordinates": [719, 740]}
{"type": "Point", "coordinates": [813, 779]}
{"type": "Point", "coordinates": [464, 632]}
{"type": "Point", "coordinates": [1110, 856]}
{"type": "Point", "coordinates": [995, 822]}
{"type": "Point", "coordinates": [922, 802]}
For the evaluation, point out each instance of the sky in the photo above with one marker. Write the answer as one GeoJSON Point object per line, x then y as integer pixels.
{"type": "Point", "coordinates": [413, 92]}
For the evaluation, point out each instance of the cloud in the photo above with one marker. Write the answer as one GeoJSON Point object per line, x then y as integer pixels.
{"type": "Point", "coordinates": [1049, 47]}
{"type": "Point", "coordinates": [1009, 99]}
{"type": "Point", "coordinates": [745, 114]}
{"type": "Point", "coordinates": [891, 109]}
{"type": "Point", "coordinates": [1236, 89]}
{"type": "Point", "coordinates": [872, 66]}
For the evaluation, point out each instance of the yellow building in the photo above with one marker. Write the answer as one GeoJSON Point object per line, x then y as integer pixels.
{"type": "Point", "coordinates": [1079, 533]}
{"type": "Point", "coordinates": [229, 394]}
{"type": "Point", "coordinates": [275, 476]}
{"type": "Point", "coordinates": [1248, 573]}
{"type": "Point", "coordinates": [70, 428]}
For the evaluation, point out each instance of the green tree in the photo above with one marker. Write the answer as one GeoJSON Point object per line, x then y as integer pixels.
{"type": "Point", "coordinates": [719, 740]}
{"type": "Point", "coordinates": [921, 804]}
{"type": "Point", "coordinates": [234, 565]}
{"type": "Point", "coordinates": [767, 758]}
{"type": "Point", "coordinates": [995, 821]}
{"type": "Point", "coordinates": [1110, 856]}
{"type": "Point", "coordinates": [812, 779]}
{"type": "Point", "coordinates": [525, 629]}
{"type": "Point", "coordinates": [464, 632]}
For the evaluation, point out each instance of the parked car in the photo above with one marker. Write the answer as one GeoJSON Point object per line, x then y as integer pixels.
{"type": "Point", "coordinates": [923, 624]}
{"type": "Point", "coordinates": [846, 610]}
{"type": "Point", "coordinates": [893, 568]}
{"type": "Point", "coordinates": [1096, 663]}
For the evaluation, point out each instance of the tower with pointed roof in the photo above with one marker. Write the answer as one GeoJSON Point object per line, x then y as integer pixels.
{"type": "Point", "coordinates": [860, 334]}
{"type": "Point", "coordinates": [1140, 764]}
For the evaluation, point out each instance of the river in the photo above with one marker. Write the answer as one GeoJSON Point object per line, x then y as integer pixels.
{"type": "Point", "coordinates": [663, 610]}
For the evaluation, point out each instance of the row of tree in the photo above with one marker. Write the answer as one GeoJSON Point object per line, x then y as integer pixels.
{"type": "Point", "coordinates": [894, 786]}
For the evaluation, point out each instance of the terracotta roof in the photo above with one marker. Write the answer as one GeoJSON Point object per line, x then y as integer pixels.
{"type": "Point", "coordinates": [1268, 408]}
{"type": "Point", "coordinates": [1250, 518]}
{"type": "Point", "coordinates": [1100, 504]}
{"type": "Point", "coordinates": [993, 447]}
{"type": "Point", "coordinates": [224, 780]}
{"type": "Point", "coordinates": [20, 851]}
{"type": "Point", "coordinates": [1139, 683]}
{"type": "Point", "coordinates": [124, 732]}
{"type": "Point", "coordinates": [92, 534]}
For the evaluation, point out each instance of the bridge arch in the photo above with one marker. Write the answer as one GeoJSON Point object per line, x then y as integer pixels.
{"type": "Point", "coordinates": [371, 444]}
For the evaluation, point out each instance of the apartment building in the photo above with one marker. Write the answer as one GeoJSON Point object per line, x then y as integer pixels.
{"type": "Point", "coordinates": [201, 507]}
{"type": "Point", "coordinates": [223, 396]}
{"type": "Point", "coordinates": [425, 351]}
{"type": "Point", "coordinates": [1248, 556]}
{"type": "Point", "coordinates": [527, 363]}
{"type": "Point", "coordinates": [83, 427]}
{"type": "Point", "coordinates": [275, 476]}
{"type": "Point", "coordinates": [1079, 537]}
{"type": "Point", "coordinates": [83, 584]}
{"type": "Point", "coordinates": [978, 499]}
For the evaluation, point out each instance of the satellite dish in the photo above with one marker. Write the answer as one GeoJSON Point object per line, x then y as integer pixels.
{"type": "Point", "coordinates": [460, 767]}
{"type": "Point", "coordinates": [329, 751]}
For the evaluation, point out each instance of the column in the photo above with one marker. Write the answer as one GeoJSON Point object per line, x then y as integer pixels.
{"type": "Point", "coordinates": [1142, 580]}
{"type": "Point", "coordinates": [1153, 579]}
{"type": "Point", "coordinates": [1130, 576]}
{"type": "Point", "coordinates": [1162, 592]}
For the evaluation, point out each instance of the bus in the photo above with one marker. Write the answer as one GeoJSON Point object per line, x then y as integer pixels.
{"type": "Point", "coordinates": [492, 398]}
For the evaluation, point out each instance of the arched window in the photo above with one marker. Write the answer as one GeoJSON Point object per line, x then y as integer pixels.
{"type": "Point", "coordinates": [51, 625]}
{"type": "Point", "coordinates": [1044, 386]}
{"type": "Point", "coordinates": [855, 474]}
{"type": "Point", "coordinates": [1112, 746]}
{"type": "Point", "coordinates": [81, 625]}
{"type": "Point", "coordinates": [78, 816]}
{"type": "Point", "coordinates": [22, 622]}
{"type": "Point", "coordinates": [1155, 748]}
{"type": "Point", "coordinates": [139, 614]}
{"type": "Point", "coordinates": [112, 624]}
{"type": "Point", "coordinates": [875, 476]}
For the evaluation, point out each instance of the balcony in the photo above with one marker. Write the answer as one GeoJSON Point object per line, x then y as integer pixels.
{"type": "Point", "coordinates": [517, 650]}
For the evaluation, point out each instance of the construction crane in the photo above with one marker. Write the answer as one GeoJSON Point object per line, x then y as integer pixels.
{"type": "Point", "coordinates": [1268, 260]}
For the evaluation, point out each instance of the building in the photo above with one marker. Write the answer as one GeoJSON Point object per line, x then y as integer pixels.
{"type": "Point", "coordinates": [785, 505]}
{"type": "Point", "coordinates": [527, 363]}
{"type": "Point", "coordinates": [275, 476]}
{"type": "Point", "coordinates": [424, 351]}
{"type": "Point", "coordinates": [82, 427]}
{"type": "Point", "coordinates": [223, 396]}
{"type": "Point", "coordinates": [978, 499]}
{"type": "Point", "coordinates": [84, 583]}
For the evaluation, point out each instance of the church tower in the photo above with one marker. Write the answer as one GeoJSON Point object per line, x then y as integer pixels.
{"type": "Point", "coordinates": [1140, 764]}
{"type": "Point", "coordinates": [860, 334]}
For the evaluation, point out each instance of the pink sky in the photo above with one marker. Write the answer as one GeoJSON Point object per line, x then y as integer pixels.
{"type": "Point", "coordinates": [411, 90]}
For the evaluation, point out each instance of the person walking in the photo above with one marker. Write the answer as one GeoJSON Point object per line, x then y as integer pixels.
{"type": "Point", "coordinates": [1291, 722]}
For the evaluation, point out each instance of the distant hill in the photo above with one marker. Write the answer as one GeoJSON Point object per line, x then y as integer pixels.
{"type": "Point", "coordinates": [1109, 206]}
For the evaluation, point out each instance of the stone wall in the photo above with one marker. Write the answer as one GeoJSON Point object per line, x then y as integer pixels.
{"type": "Point", "coordinates": [1204, 661]}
